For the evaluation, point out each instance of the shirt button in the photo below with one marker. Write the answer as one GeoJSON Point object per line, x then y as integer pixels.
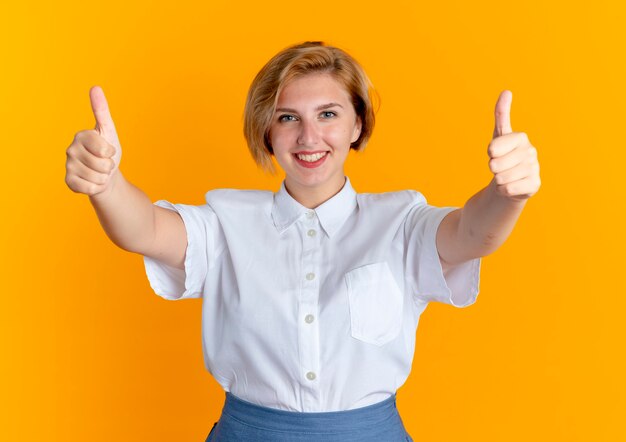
{"type": "Point", "coordinates": [310, 214]}
{"type": "Point", "coordinates": [310, 276]}
{"type": "Point", "coordinates": [309, 318]}
{"type": "Point", "coordinates": [310, 376]}
{"type": "Point", "coordinates": [311, 232]}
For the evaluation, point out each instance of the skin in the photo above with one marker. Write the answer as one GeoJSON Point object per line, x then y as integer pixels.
{"type": "Point", "coordinates": [313, 114]}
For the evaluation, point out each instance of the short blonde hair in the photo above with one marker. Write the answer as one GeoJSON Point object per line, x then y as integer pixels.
{"type": "Point", "coordinates": [296, 61]}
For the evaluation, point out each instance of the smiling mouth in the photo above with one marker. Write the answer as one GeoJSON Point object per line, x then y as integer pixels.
{"type": "Point", "coordinates": [311, 158]}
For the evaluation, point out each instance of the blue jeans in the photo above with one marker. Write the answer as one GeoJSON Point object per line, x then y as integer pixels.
{"type": "Point", "coordinates": [242, 421]}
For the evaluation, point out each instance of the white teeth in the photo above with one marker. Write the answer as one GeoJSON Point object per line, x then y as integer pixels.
{"type": "Point", "coordinates": [311, 158]}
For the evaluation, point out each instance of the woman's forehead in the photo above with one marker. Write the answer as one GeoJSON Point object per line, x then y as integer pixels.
{"type": "Point", "coordinates": [313, 90]}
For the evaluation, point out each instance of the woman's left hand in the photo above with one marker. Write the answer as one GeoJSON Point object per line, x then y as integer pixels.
{"type": "Point", "coordinates": [512, 159]}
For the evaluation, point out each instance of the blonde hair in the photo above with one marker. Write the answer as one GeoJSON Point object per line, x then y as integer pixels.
{"type": "Point", "coordinates": [296, 61]}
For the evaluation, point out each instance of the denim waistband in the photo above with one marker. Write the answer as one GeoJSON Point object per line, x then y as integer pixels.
{"type": "Point", "coordinates": [328, 421]}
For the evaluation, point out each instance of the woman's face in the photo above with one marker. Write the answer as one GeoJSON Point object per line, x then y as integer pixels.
{"type": "Point", "coordinates": [311, 132]}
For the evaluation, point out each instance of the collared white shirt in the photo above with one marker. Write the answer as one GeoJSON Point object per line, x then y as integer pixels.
{"type": "Point", "coordinates": [312, 310]}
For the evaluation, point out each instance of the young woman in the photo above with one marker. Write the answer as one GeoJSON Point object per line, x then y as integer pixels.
{"type": "Point", "coordinates": [312, 294]}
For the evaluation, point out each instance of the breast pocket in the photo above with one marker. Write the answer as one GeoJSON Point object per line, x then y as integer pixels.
{"type": "Point", "coordinates": [375, 303]}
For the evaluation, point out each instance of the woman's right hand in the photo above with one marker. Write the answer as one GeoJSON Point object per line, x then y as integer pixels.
{"type": "Point", "coordinates": [94, 156]}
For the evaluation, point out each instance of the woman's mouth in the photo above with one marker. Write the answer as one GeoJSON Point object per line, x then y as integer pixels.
{"type": "Point", "coordinates": [311, 160]}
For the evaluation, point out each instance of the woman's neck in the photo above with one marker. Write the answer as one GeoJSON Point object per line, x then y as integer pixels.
{"type": "Point", "coordinates": [312, 197]}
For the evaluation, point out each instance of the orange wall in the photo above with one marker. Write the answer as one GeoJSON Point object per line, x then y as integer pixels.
{"type": "Point", "coordinates": [91, 353]}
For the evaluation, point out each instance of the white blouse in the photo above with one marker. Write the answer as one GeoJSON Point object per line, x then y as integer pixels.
{"type": "Point", "coordinates": [312, 310]}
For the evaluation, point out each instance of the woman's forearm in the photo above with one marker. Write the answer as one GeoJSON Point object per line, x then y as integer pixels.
{"type": "Point", "coordinates": [486, 221]}
{"type": "Point", "coordinates": [126, 214]}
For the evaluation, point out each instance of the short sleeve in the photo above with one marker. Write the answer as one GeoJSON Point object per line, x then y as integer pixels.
{"type": "Point", "coordinates": [172, 283]}
{"type": "Point", "coordinates": [460, 285]}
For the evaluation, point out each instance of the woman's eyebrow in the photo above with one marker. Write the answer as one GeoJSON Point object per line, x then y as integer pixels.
{"type": "Point", "coordinates": [318, 108]}
{"type": "Point", "coordinates": [326, 106]}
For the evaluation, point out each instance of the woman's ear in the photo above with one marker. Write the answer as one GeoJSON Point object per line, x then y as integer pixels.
{"type": "Point", "coordinates": [357, 130]}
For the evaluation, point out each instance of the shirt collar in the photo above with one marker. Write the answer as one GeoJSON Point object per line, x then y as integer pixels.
{"type": "Point", "coordinates": [332, 213]}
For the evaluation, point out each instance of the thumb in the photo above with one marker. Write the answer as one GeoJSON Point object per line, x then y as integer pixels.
{"type": "Point", "coordinates": [503, 114]}
{"type": "Point", "coordinates": [104, 123]}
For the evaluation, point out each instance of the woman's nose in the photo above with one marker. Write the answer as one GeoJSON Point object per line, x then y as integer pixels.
{"type": "Point", "coordinates": [309, 133]}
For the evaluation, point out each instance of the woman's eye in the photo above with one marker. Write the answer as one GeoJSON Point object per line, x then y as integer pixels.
{"type": "Point", "coordinates": [328, 114]}
{"type": "Point", "coordinates": [286, 118]}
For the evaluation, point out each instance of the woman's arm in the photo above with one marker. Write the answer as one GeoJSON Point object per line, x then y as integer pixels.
{"type": "Point", "coordinates": [134, 224]}
{"type": "Point", "coordinates": [488, 217]}
{"type": "Point", "coordinates": [125, 212]}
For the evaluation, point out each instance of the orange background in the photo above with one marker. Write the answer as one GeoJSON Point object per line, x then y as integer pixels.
{"type": "Point", "coordinates": [91, 353]}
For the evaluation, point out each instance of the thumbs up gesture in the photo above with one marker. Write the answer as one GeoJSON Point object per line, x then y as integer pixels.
{"type": "Point", "coordinates": [94, 156]}
{"type": "Point", "coordinates": [512, 159]}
